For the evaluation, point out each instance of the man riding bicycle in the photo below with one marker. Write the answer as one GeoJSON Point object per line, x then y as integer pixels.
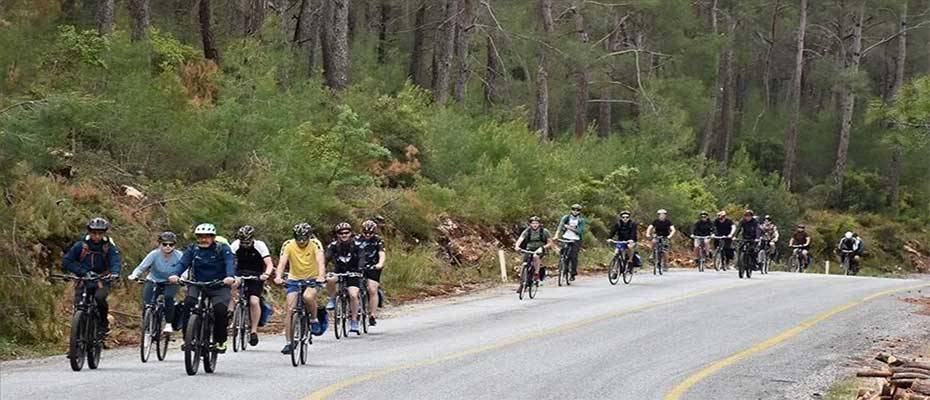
{"type": "Point", "coordinates": [306, 262]}
{"type": "Point", "coordinates": [252, 259]}
{"type": "Point", "coordinates": [848, 246]}
{"type": "Point", "coordinates": [536, 239]}
{"type": "Point", "coordinates": [372, 246]}
{"type": "Point", "coordinates": [769, 234]}
{"type": "Point", "coordinates": [625, 230]}
{"type": "Point", "coordinates": [572, 228]}
{"type": "Point", "coordinates": [347, 256]}
{"type": "Point", "coordinates": [95, 254]}
{"type": "Point", "coordinates": [160, 264]}
{"type": "Point", "coordinates": [703, 229]}
{"type": "Point", "coordinates": [749, 231]}
{"type": "Point", "coordinates": [209, 260]}
{"type": "Point", "coordinates": [725, 230]}
{"type": "Point", "coordinates": [801, 239]}
{"type": "Point", "coordinates": [661, 229]}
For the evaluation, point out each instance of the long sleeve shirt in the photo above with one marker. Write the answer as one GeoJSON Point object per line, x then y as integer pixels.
{"type": "Point", "coordinates": [101, 257]}
{"type": "Point", "coordinates": [159, 266]}
{"type": "Point", "coordinates": [207, 263]}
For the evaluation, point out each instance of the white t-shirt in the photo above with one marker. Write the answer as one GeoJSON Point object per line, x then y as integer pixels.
{"type": "Point", "coordinates": [257, 244]}
{"type": "Point", "coordinates": [568, 234]}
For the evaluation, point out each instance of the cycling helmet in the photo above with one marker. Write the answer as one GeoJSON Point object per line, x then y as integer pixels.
{"type": "Point", "coordinates": [379, 219]}
{"type": "Point", "coordinates": [662, 211]}
{"type": "Point", "coordinates": [245, 233]}
{"type": "Point", "coordinates": [800, 226]}
{"type": "Point", "coordinates": [722, 214]}
{"type": "Point", "coordinates": [625, 212]}
{"type": "Point", "coordinates": [168, 237]}
{"type": "Point", "coordinates": [302, 231]}
{"type": "Point", "coordinates": [576, 207]}
{"type": "Point", "coordinates": [205, 229]}
{"type": "Point", "coordinates": [847, 235]}
{"type": "Point", "coordinates": [534, 219]}
{"type": "Point", "coordinates": [703, 213]}
{"type": "Point", "coordinates": [369, 226]}
{"type": "Point", "coordinates": [748, 212]}
{"type": "Point", "coordinates": [767, 217]}
{"type": "Point", "coordinates": [342, 226]}
{"type": "Point", "coordinates": [98, 224]}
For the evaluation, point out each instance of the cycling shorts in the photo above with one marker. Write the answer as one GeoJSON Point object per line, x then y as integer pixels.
{"type": "Point", "coordinates": [293, 285]}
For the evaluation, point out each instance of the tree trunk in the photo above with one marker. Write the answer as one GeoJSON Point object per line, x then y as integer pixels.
{"type": "Point", "coordinates": [418, 57]}
{"type": "Point", "coordinates": [463, 28]}
{"type": "Point", "coordinates": [255, 16]}
{"type": "Point", "coordinates": [307, 33]}
{"type": "Point", "coordinates": [604, 112]}
{"type": "Point", "coordinates": [582, 94]}
{"type": "Point", "coordinates": [205, 13]}
{"type": "Point", "coordinates": [384, 16]}
{"type": "Point", "coordinates": [848, 101]}
{"type": "Point", "coordinates": [729, 101]}
{"type": "Point", "coordinates": [336, 43]}
{"type": "Point", "coordinates": [541, 110]}
{"type": "Point", "coordinates": [445, 51]}
{"type": "Point", "coordinates": [791, 141]}
{"type": "Point", "coordinates": [493, 72]}
{"type": "Point", "coordinates": [106, 10]}
{"type": "Point", "coordinates": [139, 12]}
{"type": "Point", "coordinates": [710, 135]}
{"type": "Point", "coordinates": [897, 149]}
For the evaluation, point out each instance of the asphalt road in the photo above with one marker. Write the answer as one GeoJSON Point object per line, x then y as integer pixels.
{"type": "Point", "coordinates": [673, 336]}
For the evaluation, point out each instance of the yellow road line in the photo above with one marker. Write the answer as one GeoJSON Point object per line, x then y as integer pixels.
{"type": "Point", "coordinates": [335, 387]}
{"type": "Point", "coordinates": [679, 390]}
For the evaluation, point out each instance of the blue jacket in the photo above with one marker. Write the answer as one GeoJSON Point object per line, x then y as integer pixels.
{"type": "Point", "coordinates": [207, 263]}
{"type": "Point", "coordinates": [80, 261]}
{"type": "Point", "coordinates": [159, 268]}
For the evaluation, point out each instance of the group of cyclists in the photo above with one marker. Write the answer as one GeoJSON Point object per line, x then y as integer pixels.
{"type": "Point", "coordinates": [210, 258]}
{"type": "Point", "coordinates": [758, 236]}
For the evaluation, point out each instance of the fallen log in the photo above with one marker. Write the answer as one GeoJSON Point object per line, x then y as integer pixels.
{"type": "Point", "coordinates": [875, 373]}
{"type": "Point", "coordinates": [921, 386]}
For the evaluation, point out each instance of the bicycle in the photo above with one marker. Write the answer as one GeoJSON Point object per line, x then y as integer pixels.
{"type": "Point", "coordinates": [363, 311]}
{"type": "Point", "coordinates": [620, 263]}
{"type": "Point", "coordinates": [719, 255]}
{"type": "Point", "coordinates": [798, 262]}
{"type": "Point", "coordinates": [341, 313]}
{"type": "Point", "coordinates": [703, 255]}
{"type": "Point", "coordinates": [846, 261]}
{"type": "Point", "coordinates": [242, 316]}
{"type": "Point", "coordinates": [153, 325]}
{"type": "Point", "coordinates": [85, 341]}
{"type": "Point", "coordinates": [529, 278]}
{"type": "Point", "coordinates": [659, 264]}
{"type": "Point", "coordinates": [565, 272]}
{"type": "Point", "coordinates": [198, 332]}
{"type": "Point", "coordinates": [301, 337]}
{"type": "Point", "coordinates": [763, 257]}
{"type": "Point", "coordinates": [746, 258]}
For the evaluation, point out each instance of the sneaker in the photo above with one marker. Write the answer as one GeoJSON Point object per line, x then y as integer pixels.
{"type": "Point", "coordinates": [372, 321]}
{"type": "Point", "coordinates": [220, 348]}
{"type": "Point", "coordinates": [253, 339]}
{"type": "Point", "coordinates": [331, 304]}
{"type": "Point", "coordinates": [286, 349]}
{"type": "Point", "coordinates": [168, 328]}
{"type": "Point", "coordinates": [353, 327]}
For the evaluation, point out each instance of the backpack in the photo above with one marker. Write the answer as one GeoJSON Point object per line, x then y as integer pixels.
{"type": "Point", "coordinates": [85, 250]}
{"type": "Point", "coordinates": [543, 236]}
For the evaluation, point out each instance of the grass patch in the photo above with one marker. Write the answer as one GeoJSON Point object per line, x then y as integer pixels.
{"type": "Point", "coordinates": [844, 390]}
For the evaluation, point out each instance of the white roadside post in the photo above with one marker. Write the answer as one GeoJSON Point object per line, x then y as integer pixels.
{"type": "Point", "coordinates": [826, 268]}
{"type": "Point", "coordinates": [500, 256]}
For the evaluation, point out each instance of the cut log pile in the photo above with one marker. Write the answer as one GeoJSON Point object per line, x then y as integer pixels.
{"type": "Point", "coordinates": [904, 380]}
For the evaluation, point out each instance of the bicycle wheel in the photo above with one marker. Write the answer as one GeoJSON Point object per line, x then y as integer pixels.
{"type": "Point", "coordinates": [846, 270]}
{"type": "Point", "coordinates": [563, 267]}
{"type": "Point", "coordinates": [76, 350]}
{"type": "Point", "coordinates": [533, 284]}
{"type": "Point", "coordinates": [245, 328]}
{"type": "Point", "coordinates": [192, 347]}
{"type": "Point", "coordinates": [209, 353]}
{"type": "Point", "coordinates": [613, 270]}
{"type": "Point", "coordinates": [95, 344]}
{"type": "Point", "coordinates": [345, 315]}
{"type": "Point", "coordinates": [237, 322]}
{"type": "Point", "coordinates": [305, 337]}
{"type": "Point", "coordinates": [363, 314]}
{"type": "Point", "coordinates": [161, 345]}
{"type": "Point", "coordinates": [337, 318]}
{"type": "Point", "coordinates": [148, 333]}
{"type": "Point", "coordinates": [296, 333]}
{"type": "Point", "coordinates": [627, 271]}
{"type": "Point", "coordinates": [522, 286]}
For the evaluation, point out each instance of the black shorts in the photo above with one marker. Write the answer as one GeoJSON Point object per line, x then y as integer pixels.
{"type": "Point", "coordinates": [254, 288]}
{"type": "Point", "coordinates": [373, 274]}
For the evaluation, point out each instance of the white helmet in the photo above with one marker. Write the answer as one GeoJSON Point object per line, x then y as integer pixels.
{"type": "Point", "coordinates": [661, 211]}
{"type": "Point", "coordinates": [848, 235]}
{"type": "Point", "coordinates": [205, 229]}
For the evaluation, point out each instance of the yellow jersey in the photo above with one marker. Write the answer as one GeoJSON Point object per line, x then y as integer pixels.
{"type": "Point", "coordinates": [302, 261]}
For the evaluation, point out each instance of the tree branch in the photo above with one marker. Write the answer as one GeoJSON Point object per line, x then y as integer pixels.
{"type": "Point", "coordinates": [892, 37]}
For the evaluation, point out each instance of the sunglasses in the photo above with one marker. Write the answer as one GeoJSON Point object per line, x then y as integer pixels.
{"type": "Point", "coordinates": [97, 232]}
{"type": "Point", "coordinates": [625, 217]}
{"type": "Point", "coordinates": [344, 233]}
{"type": "Point", "coordinates": [166, 244]}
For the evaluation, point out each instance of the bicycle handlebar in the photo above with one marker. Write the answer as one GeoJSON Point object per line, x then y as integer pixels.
{"type": "Point", "coordinates": [565, 241]}
{"type": "Point", "coordinates": [344, 274]}
{"type": "Point", "coordinates": [249, 278]}
{"type": "Point", "coordinates": [72, 277]}
{"type": "Point", "coordinates": [213, 283]}
{"type": "Point", "coordinates": [527, 251]}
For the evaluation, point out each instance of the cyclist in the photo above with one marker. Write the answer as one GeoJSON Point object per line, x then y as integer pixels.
{"type": "Point", "coordinates": [572, 228]}
{"type": "Point", "coordinates": [209, 260]}
{"type": "Point", "coordinates": [347, 256]}
{"type": "Point", "coordinates": [537, 239]}
{"type": "Point", "coordinates": [306, 262]}
{"type": "Point", "coordinates": [160, 264]}
{"type": "Point", "coordinates": [625, 230]}
{"type": "Point", "coordinates": [725, 228]}
{"type": "Point", "coordinates": [661, 227]}
{"type": "Point", "coordinates": [769, 234]}
{"type": "Point", "coordinates": [849, 243]}
{"type": "Point", "coordinates": [252, 258]}
{"type": "Point", "coordinates": [95, 254]}
{"type": "Point", "coordinates": [803, 239]}
{"type": "Point", "coordinates": [373, 247]}
{"type": "Point", "coordinates": [703, 228]}
{"type": "Point", "coordinates": [749, 230]}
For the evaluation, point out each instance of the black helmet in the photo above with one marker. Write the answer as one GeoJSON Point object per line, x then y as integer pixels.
{"type": "Point", "coordinates": [168, 237]}
{"type": "Point", "coordinates": [98, 224]}
{"type": "Point", "coordinates": [246, 232]}
{"type": "Point", "coordinates": [302, 231]}
{"type": "Point", "coordinates": [534, 219]}
{"type": "Point", "coordinates": [369, 226]}
{"type": "Point", "coordinates": [342, 226]}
